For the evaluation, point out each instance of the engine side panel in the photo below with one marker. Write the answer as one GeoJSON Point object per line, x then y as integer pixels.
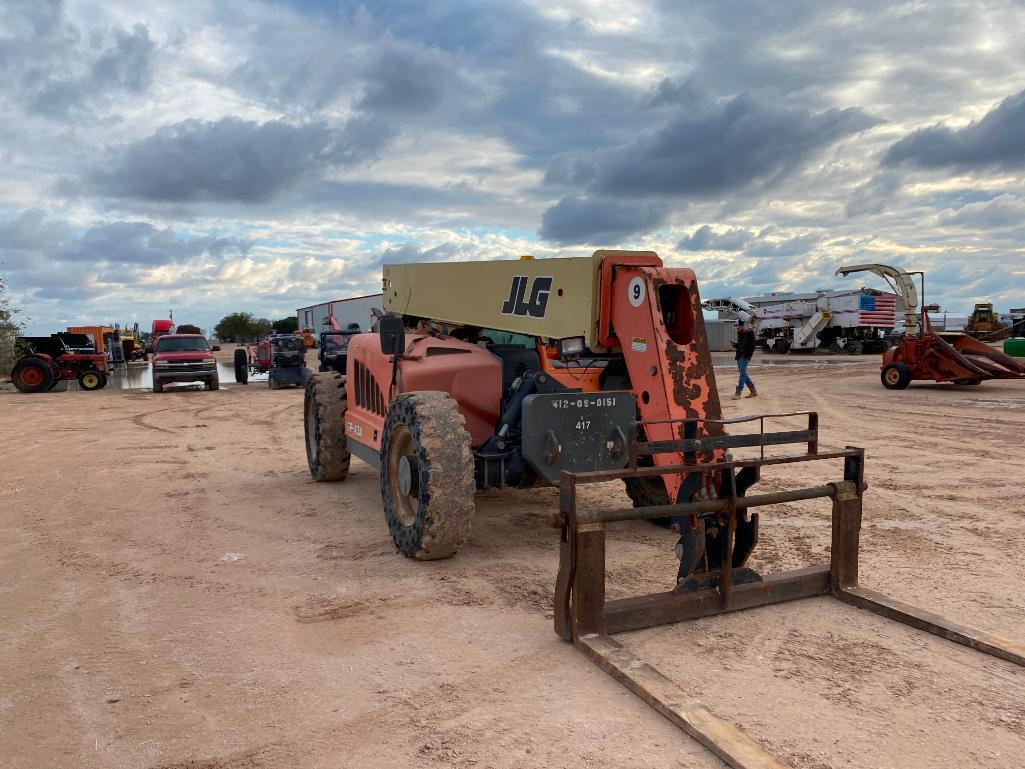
{"type": "Point", "coordinates": [472, 375]}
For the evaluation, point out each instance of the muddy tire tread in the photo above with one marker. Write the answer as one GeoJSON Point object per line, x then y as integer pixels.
{"type": "Point", "coordinates": [447, 485]}
{"type": "Point", "coordinates": [331, 462]}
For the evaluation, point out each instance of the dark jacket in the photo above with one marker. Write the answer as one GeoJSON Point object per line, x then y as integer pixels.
{"type": "Point", "coordinates": [745, 344]}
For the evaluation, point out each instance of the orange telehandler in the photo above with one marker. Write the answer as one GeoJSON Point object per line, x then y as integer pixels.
{"type": "Point", "coordinates": [566, 372]}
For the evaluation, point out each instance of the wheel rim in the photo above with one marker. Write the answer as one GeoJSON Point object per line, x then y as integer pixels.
{"type": "Point", "coordinates": [892, 376]}
{"type": "Point", "coordinates": [403, 476]}
{"type": "Point", "coordinates": [31, 376]}
{"type": "Point", "coordinates": [90, 381]}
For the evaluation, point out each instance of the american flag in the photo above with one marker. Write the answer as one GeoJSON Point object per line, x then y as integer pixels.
{"type": "Point", "coordinates": [877, 310]}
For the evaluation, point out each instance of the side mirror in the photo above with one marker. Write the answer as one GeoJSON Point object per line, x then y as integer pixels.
{"type": "Point", "coordinates": [393, 334]}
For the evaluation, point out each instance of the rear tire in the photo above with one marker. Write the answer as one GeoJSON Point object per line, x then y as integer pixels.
{"type": "Point", "coordinates": [427, 481]}
{"type": "Point", "coordinates": [33, 375]}
{"type": "Point", "coordinates": [895, 376]}
{"type": "Point", "coordinates": [648, 491]}
{"type": "Point", "coordinates": [324, 410]}
{"type": "Point", "coordinates": [241, 367]}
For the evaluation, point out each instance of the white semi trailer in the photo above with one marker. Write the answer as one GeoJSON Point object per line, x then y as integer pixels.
{"type": "Point", "coordinates": [853, 321]}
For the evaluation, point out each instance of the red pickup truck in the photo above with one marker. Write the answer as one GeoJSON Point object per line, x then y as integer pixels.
{"type": "Point", "coordinates": [183, 358]}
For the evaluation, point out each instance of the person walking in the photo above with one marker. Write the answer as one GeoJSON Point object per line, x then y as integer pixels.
{"type": "Point", "coordinates": [745, 346]}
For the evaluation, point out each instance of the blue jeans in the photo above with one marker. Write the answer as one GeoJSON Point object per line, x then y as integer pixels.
{"type": "Point", "coordinates": [742, 364]}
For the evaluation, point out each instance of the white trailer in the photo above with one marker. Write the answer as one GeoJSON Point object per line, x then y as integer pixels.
{"type": "Point", "coordinates": [852, 321]}
{"type": "Point", "coordinates": [358, 310]}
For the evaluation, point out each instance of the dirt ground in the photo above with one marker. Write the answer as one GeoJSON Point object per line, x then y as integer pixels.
{"type": "Point", "coordinates": [177, 593]}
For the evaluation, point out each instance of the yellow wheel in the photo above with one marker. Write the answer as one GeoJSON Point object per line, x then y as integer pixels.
{"type": "Point", "coordinates": [895, 376]}
{"type": "Point", "coordinates": [91, 380]}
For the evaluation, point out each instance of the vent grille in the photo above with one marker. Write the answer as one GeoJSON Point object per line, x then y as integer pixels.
{"type": "Point", "coordinates": [368, 393]}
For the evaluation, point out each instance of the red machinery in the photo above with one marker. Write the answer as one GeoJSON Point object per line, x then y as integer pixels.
{"type": "Point", "coordinates": [928, 354]}
{"type": "Point", "coordinates": [281, 356]}
{"type": "Point", "coordinates": [157, 330]}
{"type": "Point", "coordinates": [47, 360]}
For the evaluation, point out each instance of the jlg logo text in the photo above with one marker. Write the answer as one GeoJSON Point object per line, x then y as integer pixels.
{"type": "Point", "coordinates": [536, 305]}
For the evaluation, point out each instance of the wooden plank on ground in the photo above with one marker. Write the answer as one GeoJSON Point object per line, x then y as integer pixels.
{"type": "Point", "coordinates": [980, 640]}
{"type": "Point", "coordinates": [722, 738]}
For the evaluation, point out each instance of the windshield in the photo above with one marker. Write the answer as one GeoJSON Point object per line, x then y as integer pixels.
{"type": "Point", "coordinates": [336, 342]}
{"type": "Point", "coordinates": [181, 344]}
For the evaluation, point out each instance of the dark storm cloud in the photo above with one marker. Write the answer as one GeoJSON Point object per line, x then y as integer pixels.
{"type": "Point", "coordinates": [875, 195]}
{"type": "Point", "coordinates": [53, 67]}
{"type": "Point", "coordinates": [997, 140]}
{"type": "Point", "coordinates": [599, 220]}
{"type": "Point", "coordinates": [31, 231]}
{"type": "Point", "coordinates": [409, 253]}
{"type": "Point", "coordinates": [704, 238]}
{"type": "Point", "coordinates": [793, 246]}
{"type": "Point", "coordinates": [741, 143]}
{"type": "Point", "coordinates": [31, 241]}
{"type": "Point", "coordinates": [404, 81]}
{"type": "Point", "coordinates": [141, 243]}
{"type": "Point", "coordinates": [1002, 211]}
{"type": "Point", "coordinates": [231, 159]}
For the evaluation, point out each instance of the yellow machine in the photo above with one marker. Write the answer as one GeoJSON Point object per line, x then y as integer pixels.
{"type": "Point", "coordinates": [984, 323]}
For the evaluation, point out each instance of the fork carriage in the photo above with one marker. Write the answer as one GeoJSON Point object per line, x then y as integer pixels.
{"type": "Point", "coordinates": [584, 617]}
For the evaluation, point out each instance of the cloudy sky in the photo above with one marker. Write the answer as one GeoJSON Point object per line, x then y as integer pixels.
{"type": "Point", "coordinates": [239, 154]}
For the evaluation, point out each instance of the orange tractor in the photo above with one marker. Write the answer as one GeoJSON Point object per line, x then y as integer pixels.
{"type": "Point", "coordinates": [566, 372]}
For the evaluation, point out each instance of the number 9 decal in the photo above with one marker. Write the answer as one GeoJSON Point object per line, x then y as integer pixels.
{"type": "Point", "coordinates": [635, 291]}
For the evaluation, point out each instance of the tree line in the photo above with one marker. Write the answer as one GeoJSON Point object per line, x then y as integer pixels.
{"type": "Point", "coordinates": [237, 326]}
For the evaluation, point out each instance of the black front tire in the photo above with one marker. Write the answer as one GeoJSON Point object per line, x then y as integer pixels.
{"type": "Point", "coordinates": [324, 408]}
{"type": "Point", "coordinates": [895, 376]}
{"type": "Point", "coordinates": [241, 366]}
{"type": "Point", "coordinates": [158, 385]}
{"type": "Point", "coordinates": [427, 481]}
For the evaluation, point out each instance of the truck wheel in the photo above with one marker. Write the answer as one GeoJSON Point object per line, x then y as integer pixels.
{"type": "Point", "coordinates": [241, 367]}
{"type": "Point", "coordinates": [324, 410]}
{"type": "Point", "coordinates": [32, 375]}
{"type": "Point", "coordinates": [158, 385]}
{"type": "Point", "coordinates": [90, 379]}
{"type": "Point", "coordinates": [895, 376]}
{"type": "Point", "coordinates": [427, 482]}
{"type": "Point", "coordinates": [214, 383]}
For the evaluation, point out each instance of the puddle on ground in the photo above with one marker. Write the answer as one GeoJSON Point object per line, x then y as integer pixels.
{"type": "Point", "coordinates": [141, 378]}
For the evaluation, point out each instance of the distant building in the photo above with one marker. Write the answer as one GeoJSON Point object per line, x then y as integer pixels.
{"type": "Point", "coordinates": [346, 311]}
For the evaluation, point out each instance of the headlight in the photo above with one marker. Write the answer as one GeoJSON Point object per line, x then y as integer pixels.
{"type": "Point", "coordinates": [161, 363]}
{"type": "Point", "coordinates": [209, 363]}
{"type": "Point", "coordinates": [574, 345]}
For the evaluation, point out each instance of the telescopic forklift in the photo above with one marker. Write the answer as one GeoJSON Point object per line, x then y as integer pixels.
{"type": "Point", "coordinates": [566, 372]}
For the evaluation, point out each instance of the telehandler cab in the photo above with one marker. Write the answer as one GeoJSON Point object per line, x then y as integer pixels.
{"type": "Point", "coordinates": [567, 372]}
